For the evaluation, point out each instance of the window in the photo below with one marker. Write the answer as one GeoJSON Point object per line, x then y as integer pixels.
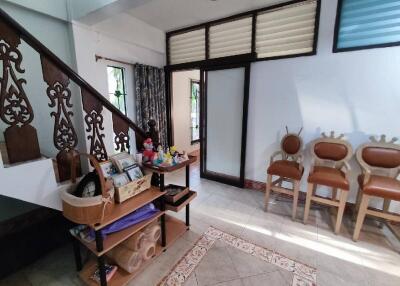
{"type": "Point", "coordinates": [230, 38]}
{"type": "Point", "coordinates": [116, 87]}
{"type": "Point", "coordinates": [286, 31]}
{"type": "Point", "coordinates": [365, 24]}
{"type": "Point", "coordinates": [195, 110]}
{"type": "Point", "coordinates": [279, 31]}
{"type": "Point", "coordinates": [187, 47]}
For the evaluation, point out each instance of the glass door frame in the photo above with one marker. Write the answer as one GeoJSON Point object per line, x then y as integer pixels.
{"type": "Point", "coordinates": [204, 173]}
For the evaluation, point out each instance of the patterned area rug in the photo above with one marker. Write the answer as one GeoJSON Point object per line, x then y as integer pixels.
{"type": "Point", "coordinates": [299, 273]}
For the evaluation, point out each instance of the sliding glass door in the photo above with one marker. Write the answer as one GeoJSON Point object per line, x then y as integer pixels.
{"type": "Point", "coordinates": [224, 123]}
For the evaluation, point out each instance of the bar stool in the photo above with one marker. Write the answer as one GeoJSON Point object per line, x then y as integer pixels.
{"type": "Point", "coordinates": [380, 164]}
{"type": "Point", "coordinates": [329, 168]}
{"type": "Point", "coordinates": [288, 169]}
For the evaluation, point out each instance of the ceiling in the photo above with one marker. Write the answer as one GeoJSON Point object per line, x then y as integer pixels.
{"type": "Point", "coordinates": [168, 15]}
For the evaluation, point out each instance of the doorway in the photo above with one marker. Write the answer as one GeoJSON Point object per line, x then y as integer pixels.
{"type": "Point", "coordinates": [224, 123]}
{"type": "Point", "coordinates": [185, 110]}
{"type": "Point", "coordinates": [208, 109]}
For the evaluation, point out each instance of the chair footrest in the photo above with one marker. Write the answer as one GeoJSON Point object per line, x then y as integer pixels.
{"type": "Point", "coordinates": [325, 201]}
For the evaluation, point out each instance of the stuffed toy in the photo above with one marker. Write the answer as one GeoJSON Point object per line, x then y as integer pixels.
{"type": "Point", "coordinates": [148, 153]}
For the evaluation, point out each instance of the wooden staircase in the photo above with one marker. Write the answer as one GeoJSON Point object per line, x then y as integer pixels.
{"type": "Point", "coordinates": [21, 141]}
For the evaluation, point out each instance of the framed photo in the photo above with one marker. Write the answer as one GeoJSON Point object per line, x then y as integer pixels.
{"type": "Point", "coordinates": [123, 161]}
{"type": "Point", "coordinates": [120, 180]}
{"type": "Point", "coordinates": [134, 172]}
{"type": "Point", "coordinates": [108, 169]}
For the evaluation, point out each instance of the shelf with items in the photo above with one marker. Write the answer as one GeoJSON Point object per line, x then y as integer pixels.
{"type": "Point", "coordinates": [116, 238]}
{"type": "Point", "coordinates": [169, 169]}
{"type": "Point", "coordinates": [174, 230]}
{"type": "Point", "coordinates": [121, 277]}
{"type": "Point", "coordinates": [121, 210]}
{"type": "Point", "coordinates": [162, 170]}
{"type": "Point", "coordinates": [181, 203]}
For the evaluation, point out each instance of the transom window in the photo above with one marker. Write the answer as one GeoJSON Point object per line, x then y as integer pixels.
{"type": "Point", "coordinates": [116, 87]}
{"type": "Point", "coordinates": [365, 24]}
{"type": "Point", "coordinates": [195, 110]}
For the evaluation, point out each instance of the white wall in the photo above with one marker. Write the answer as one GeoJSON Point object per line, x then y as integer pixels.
{"type": "Point", "coordinates": [356, 93]}
{"type": "Point", "coordinates": [181, 109]}
{"type": "Point", "coordinates": [53, 8]}
{"type": "Point", "coordinates": [104, 39]}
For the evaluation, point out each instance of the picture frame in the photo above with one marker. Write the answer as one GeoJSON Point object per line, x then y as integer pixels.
{"type": "Point", "coordinates": [120, 180]}
{"type": "Point", "coordinates": [108, 169]}
{"type": "Point", "coordinates": [134, 172]}
{"type": "Point", "coordinates": [122, 161]}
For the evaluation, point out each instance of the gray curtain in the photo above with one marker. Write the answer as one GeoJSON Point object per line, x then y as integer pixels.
{"type": "Point", "coordinates": [150, 99]}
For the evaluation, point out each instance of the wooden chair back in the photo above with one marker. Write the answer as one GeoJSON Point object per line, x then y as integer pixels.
{"type": "Point", "coordinates": [291, 146]}
{"type": "Point", "coordinates": [331, 151]}
{"type": "Point", "coordinates": [380, 157]}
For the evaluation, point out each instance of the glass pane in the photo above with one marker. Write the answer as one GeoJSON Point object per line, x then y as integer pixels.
{"type": "Point", "coordinates": [195, 110]}
{"type": "Point", "coordinates": [225, 94]}
{"type": "Point", "coordinates": [366, 23]}
{"type": "Point", "coordinates": [116, 87]}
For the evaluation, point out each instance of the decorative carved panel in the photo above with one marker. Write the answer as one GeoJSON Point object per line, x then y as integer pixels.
{"type": "Point", "coordinates": [121, 130]}
{"type": "Point", "coordinates": [64, 135]}
{"type": "Point", "coordinates": [94, 122]}
{"type": "Point", "coordinates": [15, 108]}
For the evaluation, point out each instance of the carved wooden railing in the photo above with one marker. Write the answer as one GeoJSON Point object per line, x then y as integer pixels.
{"type": "Point", "coordinates": [17, 113]}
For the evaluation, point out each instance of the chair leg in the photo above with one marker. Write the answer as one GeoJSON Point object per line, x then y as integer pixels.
{"type": "Point", "coordinates": [334, 194]}
{"type": "Point", "coordinates": [386, 205]}
{"type": "Point", "coordinates": [296, 189]}
{"type": "Point", "coordinates": [267, 192]}
{"type": "Point", "coordinates": [310, 189]}
{"type": "Point", "coordinates": [361, 216]}
{"type": "Point", "coordinates": [357, 206]}
{"type": "Point", "coordinates": [342, 206]}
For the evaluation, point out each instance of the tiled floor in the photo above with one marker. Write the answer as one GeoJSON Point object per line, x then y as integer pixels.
{"type": "Point", "coordinates": [373, 261]}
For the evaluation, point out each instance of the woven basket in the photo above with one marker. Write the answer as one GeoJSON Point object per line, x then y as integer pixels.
{"type": "Point", "coordinates": [88, 210]}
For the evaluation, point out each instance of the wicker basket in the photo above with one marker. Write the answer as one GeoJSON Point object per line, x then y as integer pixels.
{"type": "Point", "coordinates": [132, 188]}
{"type": "Point", "coordinates": [88, 210]}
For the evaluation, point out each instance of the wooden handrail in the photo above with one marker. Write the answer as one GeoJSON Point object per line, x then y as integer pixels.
{"type": "Point", "coordinates": [44, 51]}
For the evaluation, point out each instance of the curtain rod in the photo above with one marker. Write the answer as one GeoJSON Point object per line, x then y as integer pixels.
{"type": "Point", "coordinates": [113, 60]}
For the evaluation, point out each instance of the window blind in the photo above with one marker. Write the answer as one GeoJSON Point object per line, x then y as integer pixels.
{"type": "Point", "coordinates": [187, 47]}
{"type": "Point", "coordinates": [368, 22]}
{"type": "Point", "coordinates": [286, 31]}
{"type": "Point", "coordinates": [231, 38]}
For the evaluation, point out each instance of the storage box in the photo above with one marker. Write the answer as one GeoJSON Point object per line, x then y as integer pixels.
{"type": "Point", "coordinates": [173, 196]}
{"type": "Point", "coordinates": [132, 188]}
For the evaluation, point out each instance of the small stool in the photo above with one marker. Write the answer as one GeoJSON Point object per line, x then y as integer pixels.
{"type": "Point", "coordinates": [380, 164]}
{"type": "Point", "coordinates": [330, 157]}
{"type": "Point", "coordinates": [288, 169]}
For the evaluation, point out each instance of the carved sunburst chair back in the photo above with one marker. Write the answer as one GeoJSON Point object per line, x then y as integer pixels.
{"type": "Point", "coordinates": [331, 151]}
{"type": "Point", "coordinates": [379, 157]}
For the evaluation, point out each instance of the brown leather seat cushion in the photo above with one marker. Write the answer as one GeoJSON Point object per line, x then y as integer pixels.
{"type": "Point", "coordinates": [286, 169]}
{"type": "Point", "coordinates": [330, 177]}
{"type": "Point", "coordinates": [381, 186]}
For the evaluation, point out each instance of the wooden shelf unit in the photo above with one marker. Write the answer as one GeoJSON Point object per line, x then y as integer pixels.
{"type": "Point", "coordinates": [174, 230]}
{"type": "Point", "coordinates": [171, 229]}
